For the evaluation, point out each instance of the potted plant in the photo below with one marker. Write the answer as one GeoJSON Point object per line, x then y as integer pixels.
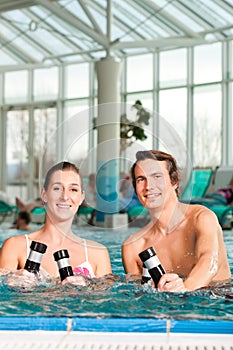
{"type": "Point", "coordinates": [131, 131]}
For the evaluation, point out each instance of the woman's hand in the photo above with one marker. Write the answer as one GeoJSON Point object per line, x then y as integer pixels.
{"type": "Point", "coordinates": [171, 282]}
{"type": "Point", "coordinates": [78, 280]}
{"type": "Point", "coordinates": [21, 278]}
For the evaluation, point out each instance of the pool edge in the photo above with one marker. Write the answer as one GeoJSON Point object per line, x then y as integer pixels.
{"type": "Point", "coordinates": [129, 325]}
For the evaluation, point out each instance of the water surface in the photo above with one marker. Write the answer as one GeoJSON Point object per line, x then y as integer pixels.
{"type": "Point", "coordinates": [116, 296]}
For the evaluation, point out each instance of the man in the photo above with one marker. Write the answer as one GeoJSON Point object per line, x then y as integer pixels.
{"type": "Point", "coordinates": [188, 239]}
{"type": "Point", "coordinates": [23, 220]}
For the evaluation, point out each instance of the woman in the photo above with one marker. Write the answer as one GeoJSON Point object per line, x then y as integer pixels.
{"type": "Point", "coordinates": [62, 195]}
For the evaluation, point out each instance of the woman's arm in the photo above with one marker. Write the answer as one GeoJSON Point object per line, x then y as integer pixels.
{"type": "Point", "coordinates": [9, 254]}
{"type": "Point", "coordinates": [103, 264]}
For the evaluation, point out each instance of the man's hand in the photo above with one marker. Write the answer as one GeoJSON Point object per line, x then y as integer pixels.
{"type": "Point", "coordinates": [171, 282]}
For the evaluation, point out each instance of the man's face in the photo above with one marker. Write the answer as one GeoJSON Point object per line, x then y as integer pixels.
{"type": "Point", "coordinates": [153, 184]}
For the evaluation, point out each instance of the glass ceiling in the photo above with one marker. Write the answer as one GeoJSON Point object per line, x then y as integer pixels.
{"type": "Point", "coordinates": [39, 32]}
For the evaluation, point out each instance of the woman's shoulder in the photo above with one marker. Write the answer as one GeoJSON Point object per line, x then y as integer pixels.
{"type": "Point", "coordinates": [20, 239]}
{"type": "Point", "coordinates": [94, 244]}
{"type": "Point", "coordinates": [14, 241]}
{"type": "Point", "coordinates": [96, 251]}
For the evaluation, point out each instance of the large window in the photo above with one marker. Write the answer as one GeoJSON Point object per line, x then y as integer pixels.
{"type": "Point", "coordinates": [77, 125]}
{"type": "Point", "coordinates": [45, 142]}
{"type": "Point", "coordinates": [31, 147]}
{"type": "Point", "coordinates": [207, 63]}
{"type": "Point", "coordinates": [173, 107]}
{"type": "Point", "coordinates": [16, 87]}
{"type": "Point", "coordinates": [231, 59]}
{"type": "Point", "coordinates": [17, 152]}
{"type": "Point", "coordinates": [46, 84]}
{"type": "Point", "coordinates": [207, 126]}
{"type": "Point", "coordinates": [50, 111]}
{"type": "Point", "coordinates": [77, 80]}
{"type": "Point", "coordinates": [173, 68]}
{"type": "Point", "coordinates": [140, 73]}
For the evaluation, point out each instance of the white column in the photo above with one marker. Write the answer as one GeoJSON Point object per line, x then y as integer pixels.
{"type": "Point", "coordinates": [108, 127]}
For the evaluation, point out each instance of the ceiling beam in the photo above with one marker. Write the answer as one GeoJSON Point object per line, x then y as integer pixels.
{"type": "Point", "coordinates": [89, 15]}
{"type": "Point", "coordinates": [14, 51]}
{"type": "Point", "coordinates": [169, 18]}
{"type": "Point", "coordinates": [23, 34]}
{"type": "Point", "coordinates": [66, 16]}
{"type": "Point", "coordinates": [158, 43]}
{"type": "Point", "coordinates": [15, 4]}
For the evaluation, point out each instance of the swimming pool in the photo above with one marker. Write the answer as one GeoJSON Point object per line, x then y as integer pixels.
{"type": "Point", "coordinates": [104, 310]}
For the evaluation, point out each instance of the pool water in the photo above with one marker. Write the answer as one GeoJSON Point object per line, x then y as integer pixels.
{"type": "Point", "coordinates": [114, 296]}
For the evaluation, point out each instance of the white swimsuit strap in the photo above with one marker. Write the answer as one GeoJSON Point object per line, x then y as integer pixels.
{"type": "Point", "coordinates": [27, 244]}
{"type": "Point", "coordinates": [85, 249]}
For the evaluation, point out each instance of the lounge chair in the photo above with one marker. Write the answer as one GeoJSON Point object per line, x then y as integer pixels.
{"type": "Point", "coordinates": [7, 210]}
{"type": "Point", "coordinates": [86, 214]}
{"type": "Point", "coordinates": [223, 211]}
{"type": "Point", "coordinates": [198, 184]}
{"type": "Point", "coordinates": [224, 214]}
{"type": "Point", "coordinates": [138, 216]}
{"type": "Point", "coordinates": [38, 215]}
{"type": "Point", "coordinates": [213, 201]}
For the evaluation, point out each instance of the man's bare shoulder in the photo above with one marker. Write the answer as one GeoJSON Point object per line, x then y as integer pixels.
{"type": "Point", "coordinates": [137, 236]}
{"type": "Point", "coordinates": [197, 214]}
{"type": "Point", "coordinates": [198, 209]}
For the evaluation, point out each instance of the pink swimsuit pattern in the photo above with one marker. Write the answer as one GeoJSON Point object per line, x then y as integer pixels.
{"type": "Point", "coordinates": [82, 270]}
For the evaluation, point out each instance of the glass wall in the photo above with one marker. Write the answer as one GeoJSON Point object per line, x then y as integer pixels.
{"type": "Point", "coordinates": [173, 68]}
{"type": "Point", "coordinates": [77, 80]}
{"type": "Point", "coordinates": [173, 107]}
{"type": "Point", "coordinates": [139, 78]}
{"type": "Point", "coordinates": [207, 126]}
{"type": "Point", "coordinates": [207, 63]}
{"type": "Point", "coordinates": [30, 145]}
{"type": "Point", "coordinates": [16, 86]}
{"type": "Point", "coordinates": [49, 111]}
{"type": "Point", "coordinates": [46, 84]}
{"type": "Point", "coordinates": [17, 142]}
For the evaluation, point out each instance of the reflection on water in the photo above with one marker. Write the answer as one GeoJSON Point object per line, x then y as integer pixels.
{"type": "Point", "coordinates": [114, 297]}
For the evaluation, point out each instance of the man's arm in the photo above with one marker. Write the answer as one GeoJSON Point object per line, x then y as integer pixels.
{"type": "Point", "coordinates": [206, 253]}
{"type": "Point", "coordinates": [129, 258]}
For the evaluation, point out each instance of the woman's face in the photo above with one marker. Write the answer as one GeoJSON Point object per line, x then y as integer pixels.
{"type": "Point", "coordinates": [64, 194]}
